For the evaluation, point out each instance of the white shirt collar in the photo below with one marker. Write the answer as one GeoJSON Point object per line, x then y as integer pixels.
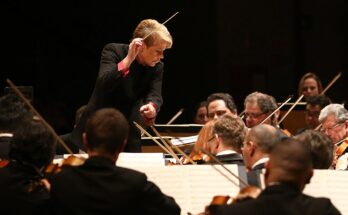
{"type": "Point", "coordinates": [260, 161]}
{"type": "Point", "coordinates": [226, 152]}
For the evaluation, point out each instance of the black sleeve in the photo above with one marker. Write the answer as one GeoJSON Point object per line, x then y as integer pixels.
{"type": "Point", "coordinates": [110, 57]}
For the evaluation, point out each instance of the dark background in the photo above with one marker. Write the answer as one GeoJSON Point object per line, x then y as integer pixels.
{"type": "Point", "coordinates": [231, 46]}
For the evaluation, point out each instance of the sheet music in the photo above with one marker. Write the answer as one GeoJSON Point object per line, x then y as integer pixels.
{"type": "Point", "coordinates": [184, 140]}
{"type": "Point", "coordinates": [331, 184]}
{"type": "Point", "coordinates": [193, 186]}
{"type": "Point", "coordinates": [132, 160]}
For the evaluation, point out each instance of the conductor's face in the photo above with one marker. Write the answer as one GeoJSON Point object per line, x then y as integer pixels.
{"type": "Point", "coordinates": [151, 55]}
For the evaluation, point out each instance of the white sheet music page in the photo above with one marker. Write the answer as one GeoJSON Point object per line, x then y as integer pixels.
{"type": "Point", "coordinates": [193, 186]}
{"type": "Point", "coordinates": [331, 184]}
{"type": "Point", "coordinates": [135, 160]}
{"type": "Point", "coordinates": [184, 140]}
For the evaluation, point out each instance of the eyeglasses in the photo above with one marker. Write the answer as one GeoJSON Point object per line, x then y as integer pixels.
{"type": "Point", "coordinates": [328, 129]}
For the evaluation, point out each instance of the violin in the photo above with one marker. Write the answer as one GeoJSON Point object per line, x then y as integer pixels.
{"type": "Point", "coordinates": [72, 160]}
{"type": "Point", "coordinates": [342, 146]}
{"type": "Point", "coordinates": [246, 193]}
{"type": "Point", "coordinates": [197, 157]}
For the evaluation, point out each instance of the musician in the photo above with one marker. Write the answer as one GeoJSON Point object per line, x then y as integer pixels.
{"type": "Point", "coordinates": [320, 147]}
{"type": "Point", "coordinates": [309, 85]}
{"type": "Point", "coordinates": [130, 79]}
{"type": "Point", "coordinates": [257, 106]}
{"type": "Point", "coordinates": [227, 139]}
{"type": "Point", "coordinates": [334, 119]}
{"type": "Point", "coordinates": [12, 114]}
{"type": "Point", "coordinates": [200, 113]}
{"type": "Point", "coordinates": [204, 135]}
{"type": "Point", "coordinates": [313, 107]}
{"type": "Point", "coordinates": [257, 145]}
{"type": "Point", "coordinates": [32, 148]}
{"type": "Point", "coordinates": [100, 187]}
{"type": "Point", "coordinates": [288, 170]}
{"type": "Point", "coordinates": [219, 104]}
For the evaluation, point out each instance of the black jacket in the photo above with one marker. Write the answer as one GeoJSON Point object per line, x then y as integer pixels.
{"type": "Point", "coordinates": [16, 196]}
{"type": "Point", "coordinates": [100, 187]}
{"type": "Point", "coordinates": [282, 199]}
{"type": "Point", "coordinates": [143, 84]}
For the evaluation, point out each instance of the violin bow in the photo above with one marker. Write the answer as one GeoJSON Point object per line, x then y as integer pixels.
{"type": "Point", "coordinates": [284, 103]}
{"type": "Point", "coordinates": [331, 83]}
{"type": "Point", "coordinates": [290, 109]}
{"type": "Point", "coordinates": [163, 23]}
{"type": "Point", "coordinates": [170, 145]}
{"type": "Point", "coordinates": [241, 115]}
{"type": "Point", "coordinates": [340, 141]}
{"type": "Point", "coordinates": [175, 116]}
{"type": "Point", "coordinates": [26, 101]}
{"type": "Point", "coordinates": [158, 143]}
{"type": "Point", "coordinates": [223, 166]}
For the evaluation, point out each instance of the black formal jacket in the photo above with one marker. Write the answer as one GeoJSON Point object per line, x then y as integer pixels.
{"type": "Point", "coordinates": [233, 158]}
{"type": "Point", "coordinates": [15, 195]}
{"type": "Point", "coordinates": [142, 85]}
{"type": "Point", "coordinates": [100, 187]}
{"type": "Point", "coordinates": [253, 176]}
{"type": "Point", "coordinates": [284, 199]}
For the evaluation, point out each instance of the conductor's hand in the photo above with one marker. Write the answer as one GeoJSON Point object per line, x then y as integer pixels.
{"type": "Point", "coordinates": [148, 112]}
{"type": "Point", "coordinates": [133, 51]}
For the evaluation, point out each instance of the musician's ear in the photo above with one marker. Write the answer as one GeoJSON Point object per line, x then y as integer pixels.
{"type": "Point", "coordinates": [346, 124]}
{"type": "Point", "coordinates": [252, 148]}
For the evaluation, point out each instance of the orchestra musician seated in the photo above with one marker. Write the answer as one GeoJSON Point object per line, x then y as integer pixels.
{"type": "Point", "coordinates": [334, 120]}
{"type": "Point", "coordinates": [288, 170]}
{"type": "Point", "coordinates": [313, 107]}
{"type": "Point", "coordinates": [320, 146]}
{"type": "Point", "coordinates": [227, 139]}
{"type": "Point", "coordinates": [31, 150]}
{"type": "Point", "coordinates": [200, 113]}
{"type": "Point", "coordinates": [309, 85]}
{"type": "Point", "coordinates": [12, 114]}
{"type": "Point", "coordinates": [219, 104]}
{"type": "Point", "coordinates": [257, 107]}
{"type": "Point", "coordinates": [257, 145]}
{"type": "Point", "coordinates": [99, 186]}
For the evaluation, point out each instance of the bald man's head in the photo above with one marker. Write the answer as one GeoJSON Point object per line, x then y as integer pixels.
{"type": "Point", "coordinates": [290, 162]}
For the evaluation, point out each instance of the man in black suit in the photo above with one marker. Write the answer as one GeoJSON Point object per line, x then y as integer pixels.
{"type": "Point", "coordinates": [12, 114]}
{"type": "Point", "coordinates": [257, 145]}
{"type": "Point", "coordinates": [228, 136]}
{"type": "Point", "coordinates": [99, 186]}
{"type": "Point", "coordinates": [129, 79]}
{"type": "Point", "coordinates": [287, 172]}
